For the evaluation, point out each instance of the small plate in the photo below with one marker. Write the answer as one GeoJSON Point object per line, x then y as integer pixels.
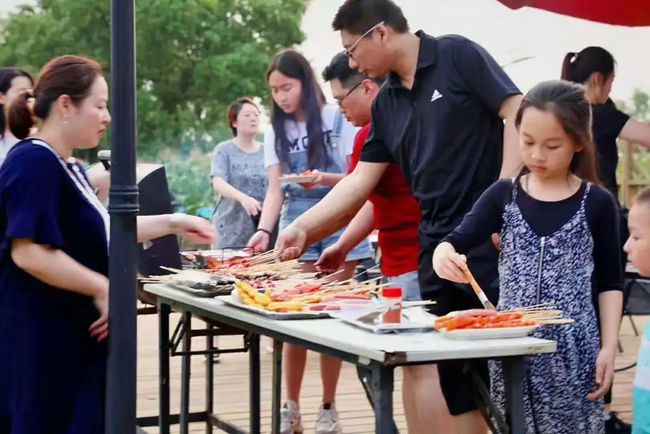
{"type": "Point", "coordinates": [298, 179]}
{"type": "Point", "coordinates": [494, 333]}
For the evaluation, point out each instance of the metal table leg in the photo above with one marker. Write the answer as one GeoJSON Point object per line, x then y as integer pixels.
{"type": "Point", "coordinates": [365, 377]}
{"type": "Point", "coordinates": [514, 373]}
{"type": "Point", "coordinates": [185, 374]}
{"type": "Point", "coordinates": [209, 378]}
{"type": "Point", "coordinates": [254, 363]}
{"type": "Point", "coordinates": [380, 386]}
{"type": "Point", "coordinates": [277, 387]}
{"type": "Point", "coordinates": [163, 366]}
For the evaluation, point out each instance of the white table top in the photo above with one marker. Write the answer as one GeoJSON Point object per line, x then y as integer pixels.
{"type": "Point", "coordinates": [414, 347]}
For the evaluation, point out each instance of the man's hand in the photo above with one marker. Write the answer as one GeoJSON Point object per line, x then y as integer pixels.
{"type": "Point", "coordinates": [331, 259]}
{"type": "Point", "coordinates": [291, 243]}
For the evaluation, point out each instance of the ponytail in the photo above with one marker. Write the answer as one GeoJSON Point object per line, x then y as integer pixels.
{"type": "Point", "coordinates": [579, 67]}
{"type": "Point", "coordinates": [7, 75]}
{"type": "Point", "coordinates": [567, 65]}
{"type": "Point", "coordinates": [21, 118]}
{"type": "Point", "coordinates": [64, 75]}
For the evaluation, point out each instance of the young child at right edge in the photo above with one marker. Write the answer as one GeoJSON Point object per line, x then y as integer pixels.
{"type": "Point", "coordinates": [637, 248]}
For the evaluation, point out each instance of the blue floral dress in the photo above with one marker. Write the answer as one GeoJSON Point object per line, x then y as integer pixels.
{"type": "Point", "coordinates": [556, 385]}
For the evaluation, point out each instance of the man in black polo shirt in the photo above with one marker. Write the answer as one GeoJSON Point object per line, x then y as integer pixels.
{"type": "Point", "coordinates": [441, 117]}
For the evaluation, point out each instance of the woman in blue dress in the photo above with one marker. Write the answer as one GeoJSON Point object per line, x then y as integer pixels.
{"type": "Point", "coordinates": [559, 244]}
{"type": "Point", "coordinates": [54, 258]}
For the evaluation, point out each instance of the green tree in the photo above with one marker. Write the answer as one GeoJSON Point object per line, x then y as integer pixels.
{"type": "Point", "coordinates": [193, 56]}
{"type": "Point", "coordinates": [638, 107]}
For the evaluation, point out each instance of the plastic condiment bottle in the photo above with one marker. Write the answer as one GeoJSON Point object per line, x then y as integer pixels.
{"type": "Point", "coordinates": [392, 297]}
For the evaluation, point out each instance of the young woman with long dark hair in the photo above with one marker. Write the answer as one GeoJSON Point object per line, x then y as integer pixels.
{"type": "Point", "coordinates": [306, 134]}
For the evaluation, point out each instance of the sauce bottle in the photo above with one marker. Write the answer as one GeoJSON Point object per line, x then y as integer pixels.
{"type": "Point", "coordinates": [392, 298]}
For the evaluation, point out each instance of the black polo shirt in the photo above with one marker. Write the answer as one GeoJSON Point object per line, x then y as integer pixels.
{"type": "Point", "coordinates": [445, 132]}
{"type": "Point", "coordinates": [608, 122]}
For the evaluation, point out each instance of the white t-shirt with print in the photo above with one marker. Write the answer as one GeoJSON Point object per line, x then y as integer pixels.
{"type": "Point", "coordinates": [297, 134]}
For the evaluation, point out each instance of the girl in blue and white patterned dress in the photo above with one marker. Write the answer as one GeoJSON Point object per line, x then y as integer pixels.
{"type": "Point", "coordinates": [559, 244]}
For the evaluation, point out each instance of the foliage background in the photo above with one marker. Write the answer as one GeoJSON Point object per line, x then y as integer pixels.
{"type": "Point", "coordinates": [193, 58]}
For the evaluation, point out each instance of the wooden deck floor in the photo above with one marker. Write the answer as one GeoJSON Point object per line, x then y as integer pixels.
{"type": "Point", "coordinates": [231, 384]}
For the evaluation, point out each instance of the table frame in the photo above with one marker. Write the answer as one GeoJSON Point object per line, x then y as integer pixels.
{"type": "Point", "coordinates": [377, 377]}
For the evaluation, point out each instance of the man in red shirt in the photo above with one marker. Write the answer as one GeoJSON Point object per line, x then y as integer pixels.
{"type": "Point", "coordinates": [392, 210]}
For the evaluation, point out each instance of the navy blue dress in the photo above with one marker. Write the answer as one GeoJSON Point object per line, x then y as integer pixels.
{"type": "Point", "coordinates": [52, 373]}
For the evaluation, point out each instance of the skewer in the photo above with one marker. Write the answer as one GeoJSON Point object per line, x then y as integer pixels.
{"type": "Point", "coordinates": [328, 278]}
{"type": "Point", "coordinates": [263, 258]}
{"type": "Point", "coordinates": [543, 314]}
{"type": "Point", "coordinates": [360, 274]}
{"type": "Point", "coordinates": [555, 321]}
{"type": "Point", "coordinates": [173, 270]}
{"type": "Point", "coordinates": [335, 283]}
{"type": "Point", "coordinates": [407, 304]}
{"type": "Point", "coordinates": [541, 306]}
{"type": "Point", "coordinates": [479, 292]}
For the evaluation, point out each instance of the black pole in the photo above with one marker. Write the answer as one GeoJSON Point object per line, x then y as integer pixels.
{"type": "Point", "coordinates": [123, 208]}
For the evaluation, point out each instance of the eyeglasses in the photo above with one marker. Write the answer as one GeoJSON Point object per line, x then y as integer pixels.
{"type": "Point", "coordinates": [353, 47]}
{"type": "Point", "coordinates": [339, 101]}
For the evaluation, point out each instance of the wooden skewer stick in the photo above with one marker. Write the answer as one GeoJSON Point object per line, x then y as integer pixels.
{"type": "Point", "coordinates": [543, 314]}
{"type": "Point", "coordinates": [354, 277]}
{"type": "Point", "coordinates": [541, 306]}
{"type": "Point", "coordinates": [263, 258]}
{"type": "Point", "coordinates": [407, 304]}
{"type": "Point", "coordinates": [555, 321]}
{"type": "Point", "coordinates": [342, 282]}
{"type": "Point", "coordinates": [324, 280]}
{"type": "Point", "coordinates": [479, 292]}
{"type": "Point", "coordinates": [173, 270]}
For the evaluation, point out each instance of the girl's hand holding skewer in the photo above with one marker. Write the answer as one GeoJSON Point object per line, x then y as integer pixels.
{"type": "Point", "coordinates": [448, 264]}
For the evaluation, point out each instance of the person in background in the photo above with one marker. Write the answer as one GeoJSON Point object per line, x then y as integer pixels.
{"type": "Point", "coordinates": [238, 177]}
{"type": "Point", "coordinates": [54, 257]}
{"type": "Point", "coordinates": [306, 134]}
{"type": "Point", "coordinates": [556, 247]}
{"type": "Point", "coordinates": [13, 82]}
{"type": "Point", "coordinates": [637, 248]}
{"type": "Point", "coordinates": [392, 210]}
{"type": "Point", "coordinates": [594, 67]}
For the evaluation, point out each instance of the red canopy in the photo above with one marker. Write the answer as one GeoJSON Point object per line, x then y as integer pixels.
{"type": "Point", "coordinates": [618, 12]}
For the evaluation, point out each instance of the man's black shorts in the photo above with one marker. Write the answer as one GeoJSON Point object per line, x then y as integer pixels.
{"type": "Point", "coordinates": [456, 376]}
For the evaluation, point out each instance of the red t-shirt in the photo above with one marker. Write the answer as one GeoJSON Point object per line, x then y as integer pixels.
{"type": "Point", "coordinates": [396, 215]}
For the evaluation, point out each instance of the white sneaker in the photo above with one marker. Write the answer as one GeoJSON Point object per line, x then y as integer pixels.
{"type": "Point", "coordinates": [328, 421]}
{"type": "Point", "coordinates": [290, 422]}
